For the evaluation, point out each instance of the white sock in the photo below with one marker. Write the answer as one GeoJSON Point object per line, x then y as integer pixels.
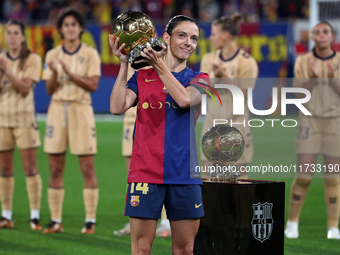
{"type": "Point", "coordinates": [90, 220]}
{"type": "Point", "coordinates": [7, 214]}
{"type": "Point", "coordinates": [165, 223]}
{"type": "Point", "coordinates": [35, 214]}
{"type": "Point", "coordinates": [57, 220]}
{"type": "Point", "coordinates": [293, 223]}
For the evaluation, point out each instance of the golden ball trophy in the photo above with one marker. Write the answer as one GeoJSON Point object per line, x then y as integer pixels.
{"type": "Point", "coordinates": [223, 145]}
{"type": "Point", "coordinates": [136, 30]}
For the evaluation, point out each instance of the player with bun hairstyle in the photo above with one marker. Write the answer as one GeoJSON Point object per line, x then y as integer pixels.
{"type": "Point", "coordinates": [19, 71]}
{"type": "Point", "coordinates": [160, 171]}
{"type": "Point", "coordinates": [232, 64]}
{"type": "Point", "coordinates": [319, 72]}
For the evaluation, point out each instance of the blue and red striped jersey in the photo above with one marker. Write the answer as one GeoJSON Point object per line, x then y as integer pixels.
{"type": "Point", "coordinates": [164, 148]}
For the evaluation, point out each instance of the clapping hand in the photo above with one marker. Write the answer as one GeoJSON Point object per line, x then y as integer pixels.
{"type": "Point", "coordinates": [65, 67]}
{"type": "Point", "coordinates": [219, 70]}
{"type": "Point", "coordinates": [52, 64]}
{"type": "Point", "coordinates": [331, 69]}
{"type": "Point", "coordinates": [312, 66]}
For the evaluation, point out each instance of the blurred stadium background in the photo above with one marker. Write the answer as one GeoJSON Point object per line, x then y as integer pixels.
{"type": "Point", "coordinates": [275, 32]}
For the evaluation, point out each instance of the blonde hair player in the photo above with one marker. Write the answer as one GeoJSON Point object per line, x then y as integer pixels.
{"type": "Point", "coordinates": [19, 71]}
{"type": "Point", "coordinates": [72, 71]}
{"type": "Point", "coordinates": [229, 62]}
{"type": "Point", "coordinates": [318, 71]}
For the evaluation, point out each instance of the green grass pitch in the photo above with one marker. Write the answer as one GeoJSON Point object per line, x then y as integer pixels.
{"type": "Point", "coordinates": [272, 145]}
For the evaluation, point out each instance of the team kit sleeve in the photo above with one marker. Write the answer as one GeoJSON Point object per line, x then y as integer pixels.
{"type": "Point", "coordinates": [249, 69]}
{"type": "Point", "coordinates": [132, 83]}
{"type": "Point", "coordinates": [205, 63]}
{"type": "Point", "coordinates": [201, 82]}
{"type": "Point", "coordinates": [47, 73]}
{"type": "Point", "coordinates": [94, 68]}
{"type": "Point", "coordinates": [298, 70]}
{"type": "Point", "coordinates": [33, 68]}
{"type": "Point", "coordinates": [248, 73]}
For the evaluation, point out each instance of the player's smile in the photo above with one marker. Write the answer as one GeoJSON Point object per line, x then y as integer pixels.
{"type": "Point", "coordinates": [184, 39]}
{"type": "Point", "coordinates": [186, 50]}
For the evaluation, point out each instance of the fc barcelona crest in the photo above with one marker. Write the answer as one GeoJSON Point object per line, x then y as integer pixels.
{"type": "Point", "coordinates": [262, 222]}
{"type": "Point", "coordinates": [134, 200]}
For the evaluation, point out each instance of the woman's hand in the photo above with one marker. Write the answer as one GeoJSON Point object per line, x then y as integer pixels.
{"type": "Point", "coordinates": [65, 67]}
{"type": "Point", "coordinates": [114, 43]}
{"type": "Point", "coordinates": [151, 56]}
{"type": "Point", "coordinates": [331, 69]}
{"type": "Point", "coordinates": [53, 66]}
{"type": "Point", "coordinates": [312, 66]}
{"type": "Point", "coordinates": [3, 65]}
{"type": "Point", "coordinates": [220, 71]}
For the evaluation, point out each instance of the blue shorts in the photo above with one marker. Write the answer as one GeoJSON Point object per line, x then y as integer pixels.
{"type": "Point", "coordinates": [145, 200]}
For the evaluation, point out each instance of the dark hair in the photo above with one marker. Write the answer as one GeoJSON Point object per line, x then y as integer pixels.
{"type": "Point", "coordinates": [327, 23]}
{"type": "Point", "coordinates": [230, 24]}
{"type": "Point", "coordinates": [70, 11]}
{"type": "Point", "coordinates": [175, 21]}
{"type": "Point", "coordinates": [24, 52]}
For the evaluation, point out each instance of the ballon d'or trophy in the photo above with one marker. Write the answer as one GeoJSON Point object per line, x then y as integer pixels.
{"type": "Point", "coordinates": [223, 145]}
{"type": "Point", "coordinates": [136, 30]}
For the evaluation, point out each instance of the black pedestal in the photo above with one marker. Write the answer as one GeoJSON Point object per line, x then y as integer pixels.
{"type": "Point", "coordinates": [242, 219]}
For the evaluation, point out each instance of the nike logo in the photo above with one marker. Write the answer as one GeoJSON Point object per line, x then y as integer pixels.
{"type": "Point", "coordinates": [196, 205]}
{"type": "Point", "coordinates": [146, 80]}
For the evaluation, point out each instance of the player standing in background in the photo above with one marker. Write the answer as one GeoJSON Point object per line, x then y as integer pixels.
{"type": "Point", "coordinates": [160, 170]}
{"type": "Point", "coordinates": [19, 71]}
{"type": "Point", "coordinates": [72, 71]}
{"type": "Point", "coordinates": [163, 229]}
{"type": "Point", "coordinates": [318, 71]}
{"type": "Point", "coordinates": [235, 65]}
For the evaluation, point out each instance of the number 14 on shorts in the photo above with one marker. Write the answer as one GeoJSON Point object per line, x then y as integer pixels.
{"type": "Point", "coordinates": [144, 187]}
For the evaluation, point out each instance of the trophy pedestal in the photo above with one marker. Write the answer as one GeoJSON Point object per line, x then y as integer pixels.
{"type": "Point", "coordinates": [242, 218]}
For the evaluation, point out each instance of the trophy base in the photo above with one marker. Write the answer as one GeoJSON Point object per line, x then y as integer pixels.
{"type": "Point", "coordinates": [232, 224]}
{"type": "Point", "coordinates": [135, 54]}
{"type": "Point", "coordinates": [227, 174]}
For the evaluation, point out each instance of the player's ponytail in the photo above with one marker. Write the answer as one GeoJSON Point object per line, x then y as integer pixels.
{"type": "Point", "coordinates": [24, 52]}
{"type": "Point", "coordinates": [236, 18]}
{"type": "Point", "coordinates": [230, 24]}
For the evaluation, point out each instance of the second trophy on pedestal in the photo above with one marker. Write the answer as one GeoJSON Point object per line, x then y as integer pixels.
{"type": "Point", "coordinates": [223, 145]}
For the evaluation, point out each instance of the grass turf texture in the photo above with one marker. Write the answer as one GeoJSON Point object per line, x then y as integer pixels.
{"type": "Point", "coordinates": [272, 145]}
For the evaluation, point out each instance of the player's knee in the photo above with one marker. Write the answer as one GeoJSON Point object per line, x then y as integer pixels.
{"type": "Point", "coordinates": [186, 249]}
{"type": "Point", "coordinates": [143, 248]}
{"type": "Point", "coordinates": [88, 171]}
{"type": "Point", "coordinates": [56, 171]}
{"type": "Point", "coordinates": [30, 168]}
{"type": "Point", "coordinates": [6, 170]}
{"type": "Point", "coordinates": [332, 182]}
{"type": "Point", "coordinates": [303, 182]}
